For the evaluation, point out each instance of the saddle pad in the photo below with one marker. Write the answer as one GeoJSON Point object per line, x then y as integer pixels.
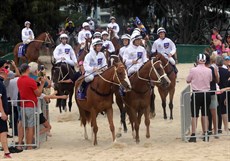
{"type": "Point", "coordinates": [20, 50]}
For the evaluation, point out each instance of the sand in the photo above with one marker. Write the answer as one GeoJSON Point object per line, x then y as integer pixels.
{"type": "Point", "coordinates": [67, 142]}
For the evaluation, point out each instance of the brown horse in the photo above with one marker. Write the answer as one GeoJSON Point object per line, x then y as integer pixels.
{"type": "Point", "coordinates": [165, 91]}
{"type": "Point", "coordinates": [137, 102]}
{"type": "Point", "coordinates": [32, 52]}
{"type": "Point", "coordinates": [82, 55]}
{"type": "Point", "coordinates": [115, 41]}
{"type": "Point", "coordinates": [99, 97]}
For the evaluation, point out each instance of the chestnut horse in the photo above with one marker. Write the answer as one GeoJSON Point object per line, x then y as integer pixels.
{"type": "Point", "coordinates": [165, 91]}
{"type": "Point", "coordinates": [85, 51]}
{"type": "Point", "coordinates": [115, 41]}
{"type": "Point", "coordinates": [99, 97]}
{"type": "Point", "coordinates": [137, 102]}
{"type": "Point", "coordinates": [32, 51]}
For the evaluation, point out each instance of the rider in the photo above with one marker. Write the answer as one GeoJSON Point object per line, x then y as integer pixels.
{"type": "Point", "coordinates": [106, 43]}
{"type": "Point", "coordinates": [83, 34]}
{"type": "Point", "coordinates": [165, 46]}
{"type": "Point", "coordinates": [97, 35]}
{"type": "Point", "coordinates": [91, 24]}
{"type": "Point", "coordinates": [126, 40]}
{"type": "Point", "coordinates": [27, 35]}
{"type": "Point", "coordinates": [64, 52]}
{"type": "Point", "coordinates": [114, 26]}
{"type": "Point", "coordinates": [70, 27]}
{"type": "Point", "coordinates": [94, 61]}
{"type": "Point", "coordinates": [134, 55]}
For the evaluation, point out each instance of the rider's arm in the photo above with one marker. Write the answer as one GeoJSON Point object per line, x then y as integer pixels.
{"type": "Point", "coordinates": [24, 37]}
{"type": "Point", "coordinates": [154, 48]}
{"type": "Point", "coordinates": [173, 47]}
{"type": "Point", "coordinates": [86, 65]}
{"type": "Point", "coordinates": [73, 56]}
{"type": "Point", "coordinates": [144, 56]}
{"type": "Point", "coordinates": [56, 54]}
{"type": "Point", "coordinates": [126, 59]}
{"type": "Point", "coordinates": [111, 47]}
{"type": "Point", "coordinates": [104, 62]}
{"type": "Point", "coordinates": [32, 34]}
{"type": "Point", "coordinates": [118, 28]}
{"type": "Point", "coordinates": [79, 38]}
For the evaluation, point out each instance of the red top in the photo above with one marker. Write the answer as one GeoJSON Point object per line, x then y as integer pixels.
{"type": "Point", "coordinates": [26, 88]}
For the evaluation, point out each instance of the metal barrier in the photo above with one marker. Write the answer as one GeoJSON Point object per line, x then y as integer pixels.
{"type": "Point", "coordinates": [185, 101]}
{"type": "Point", "coordinates": [37, 137]}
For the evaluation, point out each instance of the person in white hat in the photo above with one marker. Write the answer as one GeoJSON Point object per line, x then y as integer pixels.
{"type": "Point", "coordinates": [64, 52]}
{"type": "Point", "coordinates": [93, 61]}
{"type": "Point", "coordinates": [106, 43]}
{"type": "Point", "coordinates": [27, 33]}
{"type": "Point", "coordinates": [27, 36]}
{"type": "Point", "coordinates": [114, 26]}
{"type": "Point", "coordinates": [83, 34]}
{"type": "Point", "coordinates": [91, 24]}
{"type": "Point", "coordinates": [134, 55]}
{"type": "Point", "coordinates": [165, 46]}
{"type": "Point", "coordinates": [126, 40]}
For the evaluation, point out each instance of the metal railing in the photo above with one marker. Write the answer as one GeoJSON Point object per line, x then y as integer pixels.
{"type": "Point", "coordinates": [185, 101]}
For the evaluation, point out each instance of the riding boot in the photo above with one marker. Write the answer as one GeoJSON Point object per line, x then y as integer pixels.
{"type": "Point", "coordinates": [121, 91]}
{"type": "Point", "coordinates": [84, 88]}
{"type": "Point", "coordinates": [175, 69]}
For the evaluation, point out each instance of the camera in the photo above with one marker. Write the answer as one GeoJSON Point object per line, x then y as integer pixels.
{"type": "Point", "coordinates": [42, 68]}
{"type": "Point", "coordinates": [8, 61]}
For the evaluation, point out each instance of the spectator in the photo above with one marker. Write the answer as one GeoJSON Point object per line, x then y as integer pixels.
{"type": "Point", "coordinates": [215, 34]}
{"type": "Point", "coordinates": [200, 78]}
{"type": "Point", "coordinates": [28, 90]}
{"type": "Point", "coordinates": [210, 62]}
{"type": "Point", "coordinates": [3, 111]}
{"type": "Point", "coordinates": [226, 45]}
{"type": "Point", "coordinates": [70, 28]}
{"type": "Point", "coordinates": [221, 110]}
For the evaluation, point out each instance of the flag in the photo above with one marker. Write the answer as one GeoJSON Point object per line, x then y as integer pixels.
{"type": "Point", "coordinates": [138, 22]}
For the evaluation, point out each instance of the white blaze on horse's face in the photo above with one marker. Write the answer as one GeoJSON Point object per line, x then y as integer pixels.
{"type": "Point", "coordinates": [127, 79]}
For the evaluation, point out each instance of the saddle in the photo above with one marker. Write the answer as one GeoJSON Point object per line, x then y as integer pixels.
{"type": "Point", "coordinates": [22, 49]}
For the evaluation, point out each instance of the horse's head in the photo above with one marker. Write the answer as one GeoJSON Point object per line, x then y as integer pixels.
{"type": "Point", "coordinates": [47, 39]}
{"type": "Point", "coordinates": [60, 72]}
{"type": "Point", "coordinates": [121, 76]}
{"type": "Point", "coordinates": [157, 73]}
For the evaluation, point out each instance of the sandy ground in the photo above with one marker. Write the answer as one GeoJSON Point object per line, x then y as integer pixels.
{"type": "Point", "coordinates": [165, 144]}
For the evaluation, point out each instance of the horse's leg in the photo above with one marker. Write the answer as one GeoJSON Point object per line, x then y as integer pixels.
{"type": "Point", "coordinates": [122, 111]}
{"type": "Point", "coordinates": [83, 121]}
{"type": "Point", "coordinates": [171, 94]}
{"type": "Point", "coordinates": [137, 125]}
{"type": "Point", "coordinates": [163, 95]}
{"type": "Point", "coordinates": [70, 100]}
{"type": "Point", "coordinates": [63, 105]}
{"type": "Point", "coordinates": [58, 104]}
{"type": "Point", "coordinates": [94, 125]}
{"type": "Point", "coordinates": [147, 121]}
{"type": "Point", "coordinates": [109, 113]}
{"type": "Point", "coordinates": [152, 104]}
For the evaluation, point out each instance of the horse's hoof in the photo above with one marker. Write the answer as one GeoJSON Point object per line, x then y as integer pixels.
{"type": "Point", "coordinates": [152, 115]}
{"type": "Point", "coordinates": [147, 136]}
{"type": "Point", "coordinates": [137, 141]}
{"type": "Point", "coordinates": [118, 135]}
{"type": "Point", "coordinates": [125, 131]}
{"type": "Point", "coordinates": [171, 118]}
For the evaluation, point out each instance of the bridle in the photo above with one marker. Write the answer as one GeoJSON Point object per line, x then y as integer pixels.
{"type": "Point", "coordinates": [115, 76]}
{"type": "Point", "coordinates": [61, 76]}
{"type": "Point", "coordinates": [159, 77]}
{"type": "Point", "coordinates": [47, 40]}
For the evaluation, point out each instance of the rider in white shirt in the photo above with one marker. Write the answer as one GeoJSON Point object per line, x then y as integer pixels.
{"type": "Point", "coordinates": [27, 33]}
{"type": "Point", "coordinates": [165, 46]}
{"type": "Point", "coordinates": [106, 43]}
{"type": "Point", "coordinates": [114, 26]}
{"type": "Point", "coordinates": [134, 55]}
{"type": "Point", "coordinates": [94, 60]}
{"type": "Point", "coordinates": [91, 24]}
{"type": "Point", "coordinates": [96, 35]}
{"type": "Point", "coordinates": [64, 52]}
{"type": "Point", "coordinates": [126, 40]}
{"type": "Point", "coordinates": [83, 34]}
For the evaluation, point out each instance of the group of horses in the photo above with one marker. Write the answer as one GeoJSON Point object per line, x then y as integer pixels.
{"type": "Point", "coordinates": [139, 96]}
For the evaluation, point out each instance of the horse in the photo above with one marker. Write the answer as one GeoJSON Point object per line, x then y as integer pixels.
{"type": "Point", "coordinates": [137, 102]}
{"type": "Point", "coordinates": [165, 91]}
{"type": "Point", "coordinates": [32, 52]}
{"type": "Point", "coordinates": [115, 41]}
{"type": "Point", "coordinates": [63, 71]}
{"type": "Point", "coordinates": [99, 97]}
{"type": "Point", "coordinates": [81, 56]}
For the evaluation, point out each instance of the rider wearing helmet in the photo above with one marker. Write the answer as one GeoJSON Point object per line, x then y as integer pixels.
{"type": "Point", "coordinates": [97, 35]}
{"type": "Point", "coordinates": [114, 26]}
{"type": "Point", "coordinates": [83, 34]}
{"type": "Point", "coordinates": [106, 43]}
{"type": "Point", "coordinates": [91, 24]}
{"type": "Point", "coordinates": [126, 40]}
{"type": "Point", "coordinates": [93, 61]}
{"type": "Point", "coordinates": [165, 46]}
{"type": "Point", "coordinates": [27, 33]}
{"type": "Point", "coordinates": [64, 52]}
{"type": "Point", "coordinates": [134, 55]}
